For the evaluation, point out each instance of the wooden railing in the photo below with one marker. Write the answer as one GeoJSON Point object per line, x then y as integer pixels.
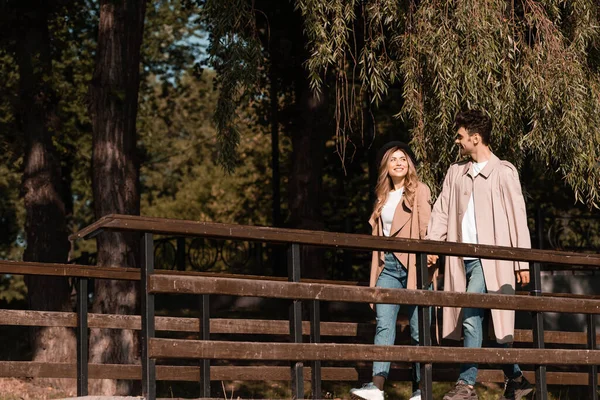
{"type": "Point", "coordinates": [309, 293]}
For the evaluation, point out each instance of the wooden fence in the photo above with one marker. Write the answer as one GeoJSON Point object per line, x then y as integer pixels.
{"type": "Point", "coordinates": [301, 292]}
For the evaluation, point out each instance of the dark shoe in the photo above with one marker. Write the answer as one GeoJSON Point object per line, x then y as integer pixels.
{"type": "Point", "coordinates": [461, 391]}
{"type": "Point", "coordinates": [515, 390]}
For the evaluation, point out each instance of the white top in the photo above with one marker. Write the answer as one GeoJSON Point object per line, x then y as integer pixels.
{"type": "Point", "coordinates": [469, 226]}
{"type": "Point", "coordinates": [389, 208]}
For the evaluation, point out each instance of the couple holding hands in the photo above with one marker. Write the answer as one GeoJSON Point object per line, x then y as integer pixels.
{"type": "Point", "coordinates": [481, 203]}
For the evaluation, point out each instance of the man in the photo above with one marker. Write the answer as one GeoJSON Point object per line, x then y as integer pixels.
{"type": "Point", "coordinates": [481, 203]}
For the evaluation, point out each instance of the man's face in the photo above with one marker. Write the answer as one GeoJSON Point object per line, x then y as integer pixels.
{"type": "Point", "coordinates": [465, 142]}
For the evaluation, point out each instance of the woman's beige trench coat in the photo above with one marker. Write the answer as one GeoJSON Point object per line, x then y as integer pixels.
{"type": "Point", "coordinates": [410, 222]}
{"type": "Point", "coordinates": [501, 220]}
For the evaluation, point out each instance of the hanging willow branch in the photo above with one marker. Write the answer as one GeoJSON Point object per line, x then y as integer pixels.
{"type": "Point", "coordinates": [533, 65]}
{"type": "Point", "coordinates": [235, 53]}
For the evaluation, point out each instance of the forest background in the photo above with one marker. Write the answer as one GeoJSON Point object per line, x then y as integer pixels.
{"type": "Point", "coordinates": [270, 113]}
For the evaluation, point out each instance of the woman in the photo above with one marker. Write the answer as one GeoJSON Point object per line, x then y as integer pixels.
{"type": "Point", "coordinates": [401, 210]}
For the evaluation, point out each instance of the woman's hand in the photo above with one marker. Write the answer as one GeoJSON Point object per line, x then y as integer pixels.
{"type": "Point", "coordinates": [523, 277]}
{"type": "Point", "coordinates": [431, 259]}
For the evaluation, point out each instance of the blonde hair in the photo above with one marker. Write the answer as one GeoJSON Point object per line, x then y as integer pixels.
{"type": "Point", "coordinates": [384, 182]}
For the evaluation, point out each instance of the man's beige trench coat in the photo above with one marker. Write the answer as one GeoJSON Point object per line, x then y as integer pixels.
{"type": "Point", "coordinates": [410, 222]}
{"type": "Point", "coordinates": [501, 220]}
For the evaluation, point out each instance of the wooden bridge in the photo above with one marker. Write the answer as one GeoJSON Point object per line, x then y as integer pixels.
{"type": "Point", "coordinates": [577, 351]}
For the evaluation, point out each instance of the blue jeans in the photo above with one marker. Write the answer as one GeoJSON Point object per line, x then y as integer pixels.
{"type": "Point", "coordinates": [394, 276]}
{"type": "Point", "coordinates": [473, 325]}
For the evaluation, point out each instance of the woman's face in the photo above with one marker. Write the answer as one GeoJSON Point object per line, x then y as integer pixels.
{"type": "Point", "coordinates": [398, 165]}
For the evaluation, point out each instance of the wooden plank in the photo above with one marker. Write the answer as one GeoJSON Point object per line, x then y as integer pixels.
{"type": "Point", "coordinates": [27, 369]}
{"type": "Point", "coordinates": [558, 337]}
{"type": "Point", "coordinates": [68, 270]}
{"type": "Point", "coordinates": [329, 239]}
{"type": "Point", "coordinates": [324, 292]}
{"type": "Point", "coordinates": [132, 274]}
{"type": "Point", "coordinates": [31, 369]}
{"type": "Point", "coordinates": [86, 271]}
{"type": "Point", "coordinates": [552, 378]}
{"type": "Point", "coordinates": [243, 326]}
{"type": "Point", "coordinates": [180, 324]}
{"type": "Point", "coordinates": [38, 318]}
{"type": "Point", "coordinates": [172, 348]}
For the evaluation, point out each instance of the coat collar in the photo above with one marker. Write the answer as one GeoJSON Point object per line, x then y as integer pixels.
{"type": "Point", "coordinates": [402, 215]}
{"type": "Point", "coordinates": [485, 172]}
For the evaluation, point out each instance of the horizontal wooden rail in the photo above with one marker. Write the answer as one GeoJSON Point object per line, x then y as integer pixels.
{"type": "Point", "coordinates": [131, 223]}
{"type": "Point", "coordinates": [19, 369]}
{"type": "Point", "coordinates": [133, 274]}
{"type": "Point", "coordinates": [68, 270]}
{"type": "Point", "coordinates": [242, 326]}
{"type": "Point", "coordinates": [228, 350]}
{"type": "Point", "coordinates": [324, 292]}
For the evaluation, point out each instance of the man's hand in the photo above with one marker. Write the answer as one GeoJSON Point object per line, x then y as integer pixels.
{"type": "Point", "coordinates": [431, 259]}
{"type": "Point", "coordinates": [523, 277]}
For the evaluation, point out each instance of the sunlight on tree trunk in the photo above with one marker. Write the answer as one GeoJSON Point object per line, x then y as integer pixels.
{"type": "Point", "coordinates": [41, 189]}
{"type": "Point", "coordinates": [114, 96]}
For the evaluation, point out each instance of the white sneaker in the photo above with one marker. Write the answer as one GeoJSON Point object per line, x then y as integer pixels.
{"type": "Point", "coordinates": [368, 392]}
{"type": "Point", "coordinates": [416, 395]}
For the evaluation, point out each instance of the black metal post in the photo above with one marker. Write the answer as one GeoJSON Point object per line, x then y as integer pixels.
{"type": "Point", "coordinates": [148, 364]}
{"type": "Point", "coordinates": [541, 388]}
{"type": "Point", "coordinates": [204, 335]}
{"type": "Point", "coordinates": [296, 321]}
{"type": "Point", "coordinates": [591, 339]}
{"type": "Point", "coordinates": [315, 337]}
{"type": "Point", "coordinates": [541, 384]}
{"type": "Point", "coordinates": [82, 337]}
{"type": "Point", "coordinates": [424, 328]}
{"type": "Point", "coordinates": [180, 254]}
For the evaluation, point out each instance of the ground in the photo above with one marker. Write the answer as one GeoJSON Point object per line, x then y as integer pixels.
{"type": "Point", "coordinates": [26, 389]}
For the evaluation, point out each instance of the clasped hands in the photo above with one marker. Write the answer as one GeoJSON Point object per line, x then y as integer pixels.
{"type": "Point", "coordinates": [431, 259]}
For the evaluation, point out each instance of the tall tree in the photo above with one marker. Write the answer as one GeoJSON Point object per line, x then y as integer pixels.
{"type": "Point", "coordinates": [26, 37]}
{"type": "Point", "coordinates": [115, 168]}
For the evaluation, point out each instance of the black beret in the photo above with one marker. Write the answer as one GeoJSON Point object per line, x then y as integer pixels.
{"type": "Point", "coordinates": [393, 144]}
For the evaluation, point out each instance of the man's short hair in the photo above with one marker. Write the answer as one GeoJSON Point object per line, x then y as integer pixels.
{"type": "Point", "coordinates": [475, 121]}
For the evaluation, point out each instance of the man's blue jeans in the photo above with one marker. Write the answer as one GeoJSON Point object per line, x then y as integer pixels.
{"type": "Point", "coordinates": [394, 276]}
{"type": "Point", "coordinates": [473, 325]}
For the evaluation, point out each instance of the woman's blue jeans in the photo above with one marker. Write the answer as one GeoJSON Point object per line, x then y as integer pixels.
{"type": "Point", "coordinates": [473, 325]}
{"type": "Point", "coordinates": [394, 276]}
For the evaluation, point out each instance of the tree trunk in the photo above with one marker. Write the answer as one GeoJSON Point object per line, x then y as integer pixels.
{"type": "Point", "coordinates": [114, 98]}
{"type": "Point", "coordinates": [45, 224]}
{"type": "Point", "coordinates": [309, 132]}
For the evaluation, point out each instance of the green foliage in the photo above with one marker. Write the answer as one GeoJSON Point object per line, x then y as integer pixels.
{"type": "Point", "coordinates": [532, 65]}
{"type": "Point", "coordinates": [236, 54]}
{"type": "Point", "coordinates": [172, 41]}
{"type": "Point", "coordinates": [12, 288]}
{"type": "Point", "coordinates": [180, 178]}
{"type": "Point", "coordinates": [11, 212]}
{"type": "Point", "coordinates": [177, 105]}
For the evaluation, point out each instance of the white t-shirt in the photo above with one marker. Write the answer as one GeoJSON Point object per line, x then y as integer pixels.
{"type": "Point", "coordinates": [469, 226]}
{"type": "Point", "coordinates": [389, 208]}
